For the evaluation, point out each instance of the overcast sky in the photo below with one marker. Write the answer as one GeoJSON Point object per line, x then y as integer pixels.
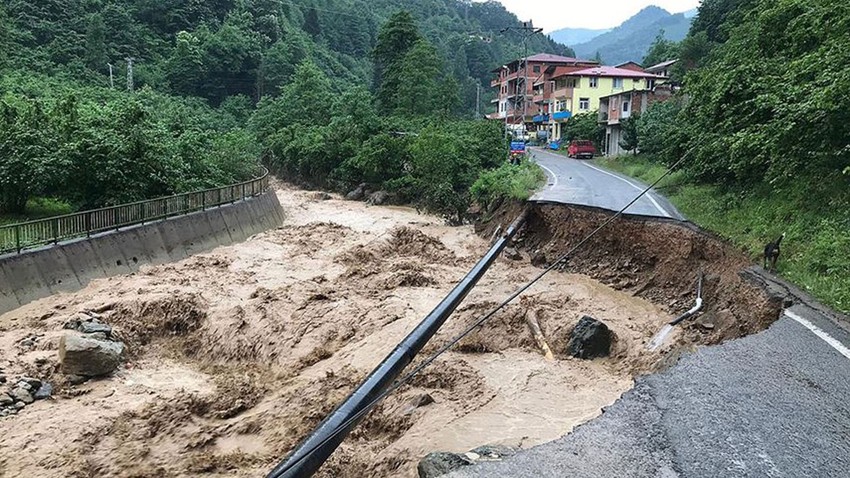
{"type": "Point", "coordinates": [555, 14]}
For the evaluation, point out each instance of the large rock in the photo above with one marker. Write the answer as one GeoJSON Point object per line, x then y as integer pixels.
{"type": "Point", "coordinates": [439, 463]}
{"type": "Point", "coordinates": [357, 194]}
{"type": "Point", "coordinates": [81, 355]}
{"type": "Point", "coordinates": [378, 198]}
{"type": "Point", "coordinates": [493, 452]}
{"type": "Point", "coordinates": [590, 339]}
{"type": "Point", "coordinates": [93, 327]}
{"type": "Point", "coordinates": [23, 395]}
{"type": "Point", "coordinates": [33, 383]}
{"type": "Point", "coordinates": [45, 391]}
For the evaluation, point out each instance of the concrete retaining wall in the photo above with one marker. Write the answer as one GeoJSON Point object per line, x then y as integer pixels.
{"type": "Point", "coordinates": [69, 266]}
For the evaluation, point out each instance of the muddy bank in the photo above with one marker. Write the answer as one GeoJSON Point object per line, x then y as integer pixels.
{"type": "Point", "coordinates": [655, 260]}
{"type": "Point", "coordinates": [234, 355]}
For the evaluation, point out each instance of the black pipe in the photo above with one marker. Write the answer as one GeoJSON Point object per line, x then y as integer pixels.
{"type": "Point", "coordinates": [311, 453]}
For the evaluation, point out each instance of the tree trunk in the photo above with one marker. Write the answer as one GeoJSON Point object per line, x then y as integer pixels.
{"type": "Point", "coordinates": [531, 317]}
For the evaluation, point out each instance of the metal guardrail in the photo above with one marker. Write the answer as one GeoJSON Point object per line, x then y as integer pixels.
{"type": "Point", "coordinates": [15, 238]}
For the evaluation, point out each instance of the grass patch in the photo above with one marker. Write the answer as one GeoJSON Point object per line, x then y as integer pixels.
{"type": "Point", "coordinates": [509, 181]}
{"type": "Point", "coordinates": [816, 249]}
{"type": "Point", "coordinates": [38, 208]}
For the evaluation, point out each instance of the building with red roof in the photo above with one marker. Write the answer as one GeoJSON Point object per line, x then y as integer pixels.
{"type": "Point", "coordinates": [524, 87]}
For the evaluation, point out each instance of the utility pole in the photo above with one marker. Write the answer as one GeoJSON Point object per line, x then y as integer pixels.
{"type": "Point", "coordinates": [477, 100]}
{"type": "Point", "coordinates": [111, 78]}
{"type": "Point", "coordinates": [130, 73]}
{"type": "Point", "coordinates": [527, 30]}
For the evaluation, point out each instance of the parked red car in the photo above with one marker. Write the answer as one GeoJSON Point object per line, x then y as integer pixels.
{"type": "Point", "coordinates": [581, 149]}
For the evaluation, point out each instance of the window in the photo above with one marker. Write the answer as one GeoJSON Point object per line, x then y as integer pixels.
{"type": "Point", "coordinates": [618, 83]}
{"type": "Point", "coordinates": [537, 68]}
{"type": "Point", "coordinates": [650, 83]}
{"type": "Point", "coordinates": [574, 83]}
{"type": "Point", "coordinates": [625, 106]}
{"type": "Point", "coordinates": [594, 82]}
{"type": "Point", "coordinates": [584, 104]}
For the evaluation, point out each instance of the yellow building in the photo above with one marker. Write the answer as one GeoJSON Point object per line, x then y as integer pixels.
{"type": "Point", "coordinates": [578, 92]}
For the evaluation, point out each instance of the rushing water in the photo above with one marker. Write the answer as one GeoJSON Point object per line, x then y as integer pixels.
{"type": "Point", "coordinates": [659, 338]}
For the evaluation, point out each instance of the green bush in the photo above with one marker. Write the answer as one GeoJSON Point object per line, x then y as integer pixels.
{"type": "Point", "coordinates": [517, 182]}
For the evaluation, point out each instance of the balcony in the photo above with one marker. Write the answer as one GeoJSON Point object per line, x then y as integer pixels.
{"type": "Point", "coordinates": [563, 93]}
{"type": "Point", "coordinates": [539, 98]}
{"type": "Point", "coordinates": [540, 119]}
{"type": "Point", "coordinates": [603, 117]}
{"type": "Point", "coordinates": [495, 82]}
{"type": "Point", "coordinates": [562, 115]}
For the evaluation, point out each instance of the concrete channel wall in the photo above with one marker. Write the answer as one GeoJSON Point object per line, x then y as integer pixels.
{"type": "Point", "coordinates": [69, 266]}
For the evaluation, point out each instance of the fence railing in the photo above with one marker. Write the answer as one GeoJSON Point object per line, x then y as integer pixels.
{"type": "Point", "coordinates": [51, 230]}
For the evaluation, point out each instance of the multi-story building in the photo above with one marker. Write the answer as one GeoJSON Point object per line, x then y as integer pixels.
{"type": "Point", "coordinates": [663, 68]}
{"type": "Point", "coordinates": [579, 91]}
{"type": "Point", "coordinates": [613, 109]}
{"type": "Point", "coordinates": [519, 99]}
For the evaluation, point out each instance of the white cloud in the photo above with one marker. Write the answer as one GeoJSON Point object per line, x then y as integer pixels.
{"type": "Point", "coordinates": [555, 14]}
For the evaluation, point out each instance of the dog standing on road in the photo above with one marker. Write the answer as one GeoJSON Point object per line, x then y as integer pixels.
{"type": "Point", "coordinates": [771, 253]}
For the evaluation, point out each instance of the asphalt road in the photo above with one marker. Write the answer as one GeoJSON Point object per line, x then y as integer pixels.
{"type": "Point", "coordinates": [774, 404]}
{"type": "Point", "coordinates": [572, 181]}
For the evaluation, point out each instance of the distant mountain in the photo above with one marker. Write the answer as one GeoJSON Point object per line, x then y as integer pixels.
{"type": "Point", "coordinates": [691, 13]}
{"type": "Point", "coordinates": [574, 36]}
{"type": "Point", "coordinates": [631, 40]}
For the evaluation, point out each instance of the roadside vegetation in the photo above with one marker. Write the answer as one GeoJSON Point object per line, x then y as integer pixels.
{"type": "Point", "coordinates": [507, 182]}
{"type": "Point", "coordinates": [330, 95]}
{"type": "Point", "coordinates": [764, 118]}
{"type": "Point", "coordinates": [814, 251]}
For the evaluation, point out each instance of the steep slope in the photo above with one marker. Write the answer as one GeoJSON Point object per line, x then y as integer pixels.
{"type": "Point", "coordinates": [631, 40]}
{"type": "Point", "coordinates": [223, 48]}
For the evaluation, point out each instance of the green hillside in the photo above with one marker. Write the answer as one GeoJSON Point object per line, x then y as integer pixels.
{"type": "Point", "coordinates": [223, 48]}
{"type": "Point", "coordinates": [315, 89]}
{"type": "Point", "coordinates": [631, 40]}
{"type": "Point", "coordinates": [764, 119]}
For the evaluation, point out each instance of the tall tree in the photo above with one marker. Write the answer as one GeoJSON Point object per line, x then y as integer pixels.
{"type": "Point", "coordinates": [395, 40]}
{"type": "Point", "coordinates": [418, 78]}
{"type": "Point", "coordinates": [661, 50]}
{"type": "Point", "coordinates": [5, 35]}
{"type": "Point", "coordinates": [311, 23]}
{"type": "Point", "coordinates": [96, 54]}
{"type": "Point", "coordinates": [630, 140]}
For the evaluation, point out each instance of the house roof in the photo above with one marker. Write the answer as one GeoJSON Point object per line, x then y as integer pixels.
{"type": "Point", "coordinates": [559, 70]}
{"type": "Point", "coordinates": [548, 58]}
{"type": "Point", "coordinates": [612, 71]}
{"type": "Point", "coordinates": [630, 65]}
{"type": "Point", "coordinates": [661, 66]}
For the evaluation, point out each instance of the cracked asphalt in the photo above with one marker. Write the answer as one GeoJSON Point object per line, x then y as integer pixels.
{"type": "Point", "coordinates": [773, 404]}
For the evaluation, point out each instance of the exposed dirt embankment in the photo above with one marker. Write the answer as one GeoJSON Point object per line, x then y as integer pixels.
{"type": "Point", "coordinates": [653, 259]}
{"type": "Point", "coordinates": [234, 355]}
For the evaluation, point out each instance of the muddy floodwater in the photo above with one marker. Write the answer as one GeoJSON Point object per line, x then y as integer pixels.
{"type": "Point", "coordinates": [234, 355]}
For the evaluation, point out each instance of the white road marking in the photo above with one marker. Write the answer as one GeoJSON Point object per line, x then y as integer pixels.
{"type": "Point", "coordinates": [648, 195]}
{"type": "Point", "coordinates": [820, 333]}
{"type": "Point", "coordinates": [554, 176]}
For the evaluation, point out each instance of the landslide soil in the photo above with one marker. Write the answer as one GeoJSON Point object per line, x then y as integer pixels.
{"type": "Point", "coordinates": [236, 354]}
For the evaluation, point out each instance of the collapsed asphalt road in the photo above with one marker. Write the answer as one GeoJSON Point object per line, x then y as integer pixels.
{"type": "Point", "coordinates": [772, 404]}
{"type": "Point", "coordinates": [572, 181]}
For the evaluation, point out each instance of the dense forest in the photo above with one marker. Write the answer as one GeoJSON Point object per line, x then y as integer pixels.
{"type": "Point", "coordinates": [317, 88]}
{"type": "Point", "coordinates": [764, 118]}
